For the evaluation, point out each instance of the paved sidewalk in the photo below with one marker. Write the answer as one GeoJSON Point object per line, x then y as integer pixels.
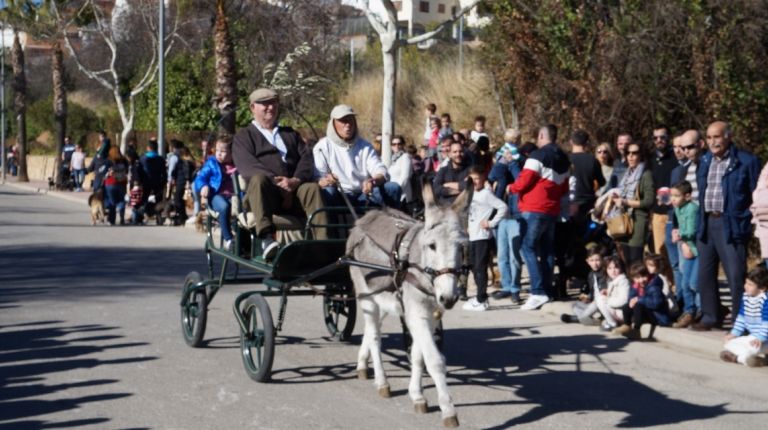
{"type": "Point", "coordinates": [708, 344]}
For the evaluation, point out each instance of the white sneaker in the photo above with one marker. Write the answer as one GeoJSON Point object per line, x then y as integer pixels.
{"type": "Point", "coordinates": [534, 302]}
{"type": "Point", "coordinates": [473, 305]}
{"type": "Point", "coordinates": [270, 248]}
{"type": "Point", "coordinates": [227, 245]}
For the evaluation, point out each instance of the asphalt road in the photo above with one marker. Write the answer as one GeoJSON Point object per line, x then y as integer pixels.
{"type": "Point", "coordinates": [90, 338]}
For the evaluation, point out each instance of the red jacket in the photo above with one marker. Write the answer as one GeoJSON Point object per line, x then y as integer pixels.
{"type": "Point", "coordinates": [543, 181]}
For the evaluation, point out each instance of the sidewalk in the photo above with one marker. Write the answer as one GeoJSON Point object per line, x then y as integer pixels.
{"type": "Point", "coordinates": [708, 344]}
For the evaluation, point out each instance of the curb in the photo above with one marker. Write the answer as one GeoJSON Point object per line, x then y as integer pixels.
{"type": "Point", "coordinates": [44, 191]}
{"type": "Point", "coordinates": [706, 343]}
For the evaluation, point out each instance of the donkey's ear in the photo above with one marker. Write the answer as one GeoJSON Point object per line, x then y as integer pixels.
{"type": "Point", "coordinates": [461, 204]}
{"type": "Point", "coordinates": [426, 192]}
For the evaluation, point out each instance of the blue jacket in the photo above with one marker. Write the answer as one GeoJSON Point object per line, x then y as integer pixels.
{"type": "Point", "coordinates": [654, 300]}
{"type": "Point", "coordinates": [739, 182]}
{"type": "Point", "coordinates": [210, 174]}
{"type": "Point", "coordinates": [504, 174]}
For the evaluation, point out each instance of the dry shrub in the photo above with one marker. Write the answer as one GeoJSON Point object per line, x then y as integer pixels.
{"type": "Point", "coordinates": [435, 82]}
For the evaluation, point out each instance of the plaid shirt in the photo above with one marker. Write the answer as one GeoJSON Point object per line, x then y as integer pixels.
{"type": "Point", "coordinates": [713, 198]}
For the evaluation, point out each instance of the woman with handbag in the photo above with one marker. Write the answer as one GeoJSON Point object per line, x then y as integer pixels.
{"type": "Point", "coordinates": [633, 202]}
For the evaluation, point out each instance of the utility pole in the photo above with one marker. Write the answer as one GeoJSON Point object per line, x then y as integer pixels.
{"type": "Point", "coordinates": [461, 47]}
{"type": "Point", "coordinates": [351, 57]}
{"type": "Point", "coordinates": [2, 101]}
{"type": "Point", "coordinates": [161, 81]}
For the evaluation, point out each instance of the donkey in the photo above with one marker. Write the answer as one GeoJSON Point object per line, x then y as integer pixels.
{"type": "Point", "coordinates": [428, 259]}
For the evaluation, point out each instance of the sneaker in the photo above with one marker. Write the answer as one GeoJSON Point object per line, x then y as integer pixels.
{"type": "Point", "coordinates": [684, 321]}
{"type": "Point", "coordinates": [270, 248]}
{"type": "Point", "coordinates": [728, 356]}
{"type": "Point", "coordinates": [227, 244]}
{"type": "Point", "coordinates": [501, 294]}
{"type": "Point", "coordinates": [516, 300]}
{"type": "Point", "coordinates": [622, 329]}
{"type": "Point", "coordinates": [534, 302]}
{"type": "Point", "coordinates": [474, 305]}
{"type": "Point", "coordinates": [568, 318]}
{"type": "Point", "coordinates": [606, 327]}
{"type": "Point", "coordinates": [755, 361]}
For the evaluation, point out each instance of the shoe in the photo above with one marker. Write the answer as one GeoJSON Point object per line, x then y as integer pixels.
{"type": "Point", "coordinates": [728, 356]}
{"type": "Point", "coordinates": [606, 328]}
{"type": "Point", "coordinates": [463, 294]}
{"type": "Point", "coordinates": [516, 300]}
{"type": "Point", "coordinates": [684, 321]}
{"type": "Point", "coordinates": [270, 248]}
{"type": "Point", "coordinates": [755, 361]}
{"type": "Point", "coordinates": [632, 334]}
{"type": "Point", "coordinates": [700, 326]}
{"type": "Point", "coordinates": [474, 305]}
{"type": "Point", "coordinates": [501, 294]}
{"type": "Point", "coordinates": [568, 318]}
{"type": "Point", "coordinates": [534, 302]}
{"type": "Point", "coordinates": [622, 329]}
{"type": "Point", "coordinates": [227, 245]}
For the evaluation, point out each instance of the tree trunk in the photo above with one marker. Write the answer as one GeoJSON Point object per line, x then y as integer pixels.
{"type": "Point", "coordinates": [20, 105]}
{"type": "Point", "coordinates": [389, 53]}
{"type": "Point", "coordinates": [59, 102]}
{"type": "Point", "coordinates": [225, 99]}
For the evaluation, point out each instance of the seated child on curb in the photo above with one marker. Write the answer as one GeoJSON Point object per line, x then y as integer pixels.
{"type": "Point", "coordinates": [647, 303]}
{"type": "Point", "coordinates": [753, 317]}
{"type": "Point", "coordinates": [596, 283]}
{"type": "Point", "coordinates": [481, 221]}
{"type": "Point", "coordinates": [136, 198]}
{"type": "Point", "coordinates": [687, 214]}
{"type": "Point", "coordinates": [214, 183]}
{"type": "Point", "coordinates": [657, 266]}
{"type": "Point", "coordinates": [615, 296]}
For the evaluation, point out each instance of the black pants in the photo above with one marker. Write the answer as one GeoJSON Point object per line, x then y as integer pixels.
{"type": "Point", "coordinates": [638, 315]}
{"type": "Point", "coordinates": [480, 257]}
{"type": "Point", "coordinates": [178, 202]}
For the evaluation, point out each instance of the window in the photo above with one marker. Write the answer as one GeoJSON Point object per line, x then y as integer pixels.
{"type": "Point", "coordinates": [453, 10]}
{"type": "Point", "coordinates": [424, 6]}
{"type": "Point", "coordinates": [441, 8]}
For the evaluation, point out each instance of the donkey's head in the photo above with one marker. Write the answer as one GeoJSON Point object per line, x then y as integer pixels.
{"type": "Point", "coordinates": [442, 241]}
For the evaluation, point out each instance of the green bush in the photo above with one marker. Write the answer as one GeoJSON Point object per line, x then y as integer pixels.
{"type": "Point", "coordinates": [80, 120]}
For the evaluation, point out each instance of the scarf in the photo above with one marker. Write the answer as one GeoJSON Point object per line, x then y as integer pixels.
{"type": "Point", "coordinates": [396, 155]}
{"type": "Point", "coordinates": [629, 182]}
{"type": "Point", "coordinates": [330, 134]}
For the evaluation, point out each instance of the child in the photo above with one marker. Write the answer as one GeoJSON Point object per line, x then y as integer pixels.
{"type": "Point", "coordinates": [647, 303]}
{"type": "Point", "coordinates": [687, 214]}
{"type": "Point", "coordinates": [656, 265]}
{"type": "Point", "coordinates": [483, 206]}
{"type": "Point", "coordinates": [753, 317]}
{"type": "Point", "coordinates": [136, 198]}
{"type": "Point", "coordinates": [615, 296]}
{"type": "Point", "coordinates": [479, 129]}
{"type": "Point", "coordinates": [434, 139]}
{"type": "Point", "coordinates": [445, 126]}
{"type": "Point", "coordinates": [214, 183]}
{"type": "Point", "coordinates": [596, 284]}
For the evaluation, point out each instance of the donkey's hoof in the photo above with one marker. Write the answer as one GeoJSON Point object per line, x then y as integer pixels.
{"type": "Point", "coordinates": [362, 374]}
{"type": "Point", "coordinates": [384, 391]}
{"type": "Point", "coordinates": [420, 407]}
{"type": "Point", "coordinates": [451, 422]}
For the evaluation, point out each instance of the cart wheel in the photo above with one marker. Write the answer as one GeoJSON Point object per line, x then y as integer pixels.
{"type": "Point", "coordinates": [340, 315]}
{"type": "Point", "coordinates": [195, 314]}
{"type": "Point", "coordinates": [438, 335]}
{"type": "Point", "coordinates": [257, 345]}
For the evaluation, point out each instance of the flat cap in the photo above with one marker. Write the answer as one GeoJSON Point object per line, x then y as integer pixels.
{"type": "Point", "coordinates": [340, 111]}
{"type": "Point", "coordinates": [262, 95]}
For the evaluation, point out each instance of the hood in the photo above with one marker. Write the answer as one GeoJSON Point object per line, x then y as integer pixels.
{"type": "Point", "coordinates": [330, 134]}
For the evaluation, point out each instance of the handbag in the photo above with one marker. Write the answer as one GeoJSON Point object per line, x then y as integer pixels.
{"type": "Point", "coordinates": [620, 225]}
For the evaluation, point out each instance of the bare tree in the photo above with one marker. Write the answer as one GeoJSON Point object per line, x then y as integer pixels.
{"type": "Point", "coordinates": [386, 27]}
{"type": "Point", "coordinates": [225, 99]}
{"type": "Point", "coordinates": [123, 88]}
{"type": "Point", "coordinates": [20, 104]}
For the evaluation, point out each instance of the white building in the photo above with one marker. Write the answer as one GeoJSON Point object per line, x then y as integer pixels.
{"type": "Point", "coordinates": [417, 15]}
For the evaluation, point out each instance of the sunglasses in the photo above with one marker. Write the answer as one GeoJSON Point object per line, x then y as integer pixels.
{"type": "Point", "coordinates": [659, 137]}
{"type": "Point", "coordinates": [633, 152]}
{"type": "Point", "coordinates": [602, 151]}
{"type": "Point", "coordinates": [689, 147]}
{"type": "Point", "coordinates": [396, 143]}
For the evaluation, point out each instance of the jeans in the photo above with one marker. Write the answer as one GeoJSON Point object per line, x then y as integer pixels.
{"type": "Point", "coordinates": [689, 288]}
{"type": "Point", "coordinates": [674, 260]}
{"type": "Point", "coordinates": [383, 195]}
{"type": "Point", "coordinates": [79, 175]}
{"type": "Point", "coordinates": [223, 205]}
{"type": "Point", "coordinates": [196, 200]}
{"type": "Point", "coordinates": [508, 244]}
{"type": "Point", "coordinates": [115, 200]}
{"type": "Point", "coordinates": [538, 231]}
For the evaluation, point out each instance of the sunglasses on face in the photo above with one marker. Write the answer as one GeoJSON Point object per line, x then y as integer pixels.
{"type": "Point", "coordinates": [602, 151]}
{"type": "Point", "coordinates": [396, 143]}
{"type": "Point", "coordinates": [689, 147]}
{"type": "Point", "coordinates": [633, 152]}
{"type": "Point", "coordinates": [659, 137]}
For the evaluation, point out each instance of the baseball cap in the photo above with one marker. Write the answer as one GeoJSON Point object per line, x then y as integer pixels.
{"type": "Point", "coordinates": [262, 95]}
{"type": "Point", "coordinates": [340, 111]}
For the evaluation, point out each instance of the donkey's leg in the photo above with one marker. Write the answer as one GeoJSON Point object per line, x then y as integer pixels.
{"type": "Point", "coordinates": [414, 388]}
{"type": "Point", "coordinates": [365, 345]}
{"type": "Point", "coordinates": [422, 335]}
{"type": "Point", "coordinates": [372, 345]}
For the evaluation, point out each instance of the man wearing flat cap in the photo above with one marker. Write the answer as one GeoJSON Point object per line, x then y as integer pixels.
{"type": "Point", "coordinates": [346, 160]}
{"type": "Point", "coordinates": [279, 169]}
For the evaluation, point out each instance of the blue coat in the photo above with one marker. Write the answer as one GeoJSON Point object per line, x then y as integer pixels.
{"type": "Point", "coordinates": [739, 182]}
{"type": "Point", "coordinates": [504, 174]}
{"type": "Point", "coordinates": [654, 300]}
{"type": "Point", "coordinates": [210, 174]}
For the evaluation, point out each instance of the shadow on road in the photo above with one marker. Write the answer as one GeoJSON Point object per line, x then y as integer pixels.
{"type": "Point", "coordinates": [33, 350]}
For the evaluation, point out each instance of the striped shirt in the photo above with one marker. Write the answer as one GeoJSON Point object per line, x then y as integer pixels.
{"type": "Point", "coordinates": [690, 176]}
{"type": "Point", "coordinates": [753, 317]}
{"type": "Point", "coordinates": [713, 198]}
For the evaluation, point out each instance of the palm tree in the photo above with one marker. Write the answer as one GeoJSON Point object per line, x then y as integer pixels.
{"type": "Point", "coordinates": [20, 104]}
{"type": "Point", "coordinates": [225, 99]}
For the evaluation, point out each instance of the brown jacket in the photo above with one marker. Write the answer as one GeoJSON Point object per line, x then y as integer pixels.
{"type": "Point", "coordinates": [253, 154]}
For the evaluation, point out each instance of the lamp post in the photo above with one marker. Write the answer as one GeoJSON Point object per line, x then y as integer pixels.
{"type": "Point", "coordinates": [161, 81]}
